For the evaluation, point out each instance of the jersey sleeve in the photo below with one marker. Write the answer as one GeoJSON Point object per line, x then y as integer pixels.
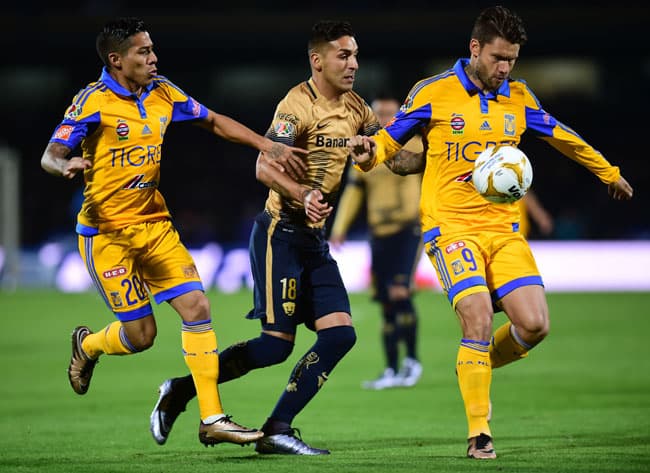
{"type": "Point", "coordinates": [349, 204]}
{"type": "Point", "coordinates": [412, 118]}
{"type": "Point", "coordinates": [79, 120]}
{"type": "Point", "coordinates": [370, 124]}
{"type": "Point", "coordinates": [185, 108]}
{"type": "Point", "coordinates": [567, 141]}
{"type": "Point", "coordinates": [289, 121]}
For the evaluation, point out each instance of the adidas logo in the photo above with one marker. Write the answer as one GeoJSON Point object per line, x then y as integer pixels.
{"type": "Point", "coordinates": [485, 126]}
{"type": "Point", "coordinates": [146, 130]}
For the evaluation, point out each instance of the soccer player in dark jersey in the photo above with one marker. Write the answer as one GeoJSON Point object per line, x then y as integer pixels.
{"type": "Point", "coordinates": [392, 209]}
{"type": "Point", "coordinates": [126, 238]}
{"type": "Point", "coordinates": [296, 279]}
{"type": "Point", "coordinates": [479, 255]}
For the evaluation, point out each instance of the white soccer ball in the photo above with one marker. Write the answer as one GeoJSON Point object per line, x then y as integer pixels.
{"type": "Point", "coordinates": [502, 174]}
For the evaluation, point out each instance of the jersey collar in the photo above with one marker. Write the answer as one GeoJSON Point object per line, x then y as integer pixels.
{"type": "Point", "coordinates": [470, 87]}
{"type": "Point", "coordinates": [115, 86]}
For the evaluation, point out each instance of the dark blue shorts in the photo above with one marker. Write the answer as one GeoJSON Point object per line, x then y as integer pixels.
{"type": "Point", "coordinates": [296, 279]}
{"type": "Point", "coordinates": [394, 259]}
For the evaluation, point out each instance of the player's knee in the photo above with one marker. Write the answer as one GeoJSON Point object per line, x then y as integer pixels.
{"type": "Point", "coordinates": [142, 340]}
{"type": "Point", "coordinates": [397, 292]}
{"type": "Point", "coordinates": [339, 339]}
{"type": "Point", "coordinates": [276, 349]}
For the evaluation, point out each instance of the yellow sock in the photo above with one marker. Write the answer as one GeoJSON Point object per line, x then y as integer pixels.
{"type": "Point", "coordinates": [111, 340]}
{"type": "Point", "coordinates": [474, 377]}
{"type": "Point", "coordinates": [504, 348]}
{"type": "Point", "coordinates": [201, 357]}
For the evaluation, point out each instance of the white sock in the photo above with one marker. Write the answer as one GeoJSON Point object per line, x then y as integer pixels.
{"type": "Point", "coordinates": [213, 419]}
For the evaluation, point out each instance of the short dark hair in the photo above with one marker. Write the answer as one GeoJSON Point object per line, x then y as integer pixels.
{"type": "Point", "coordinates": [499, 22]}
{"type": "Point", "coordinates": [115, 36]}
{"type": "Point", "coordinates": [325, 31]}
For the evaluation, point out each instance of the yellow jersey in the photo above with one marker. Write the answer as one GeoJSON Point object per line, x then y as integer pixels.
{"type": "Point", "coordinates": [459, 121]}
{"type": "Point", "coordinates": [306, 119]}
{"type": "Point", "coordinates": [121, 134]}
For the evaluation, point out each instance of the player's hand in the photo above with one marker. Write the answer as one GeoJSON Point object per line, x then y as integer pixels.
{"type": "Point", "coordinates": [289, 159]}
{"type": "Point", "coordinates": [73, 166]}
{"type": "Point", "coordinates": [362, 149]}
{"type": "Point", "coordinates": [315, 208]}
{"type": "Point", "coordinates": [620, 190]}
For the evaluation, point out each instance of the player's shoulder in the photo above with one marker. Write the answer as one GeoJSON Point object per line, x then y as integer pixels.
{"type": "Point", "coordinates": [88, 100]}
{"type": "Point", "coordinates": [355, 101]}
{"type": "Point", "coordinates": [166, 86]}
{"type": "Point", "coordinates": [434, 83]}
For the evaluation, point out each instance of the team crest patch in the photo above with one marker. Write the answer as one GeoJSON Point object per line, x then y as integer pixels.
{"type": "Point", "coordinates": [457, 267]}
{"type": "Point", "coordinates": [114, 272]}
{"type": "Point", "coordinates": [457, 124]}
{"type": "Point", "coordinates": [163, 126]}
{"type": "Point", "coordinates": [63, 132]}
{"type": "Point", "coordinates": [289, 308]}
{"type": "Point", "coordinates": [455, 246]}
{"type": "Point", "coordinates": [116, 299]}
{"type": "Point", "coordinates": [72, 112]}
{"type": "Point", "coordinates": [509, 124]}
{"type": "Point", "coordinates": [408, 103]}
{"type": "Point", "coordinates": [122, 130]}
{"type": "Point", "coordinates": [284, 129]}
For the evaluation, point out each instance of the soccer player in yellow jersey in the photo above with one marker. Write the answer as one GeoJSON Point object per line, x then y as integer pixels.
{"type": "Point", "coordinates": [394, 224]}
{"type": "Point", "coordinates": [481, 259]}
{"type": "Point", "coordinates": [126, 237]}
{"type": "Point", "coordinates": [296, 279]}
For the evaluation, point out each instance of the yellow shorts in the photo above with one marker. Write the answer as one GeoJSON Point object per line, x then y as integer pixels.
{"type": "Point", "coordinates": [130, 263]}
{"type": "Point", "coordinates": [494, 262]}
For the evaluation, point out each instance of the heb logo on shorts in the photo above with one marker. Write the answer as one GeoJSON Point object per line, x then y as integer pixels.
{"type": "Point", "coordinates": [454, 246]}
{"type": "Point", "coordinates": [115, 272]}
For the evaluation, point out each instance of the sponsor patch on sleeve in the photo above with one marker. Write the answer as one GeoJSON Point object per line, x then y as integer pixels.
{"type": "Point", "coordinates": [63, 132]}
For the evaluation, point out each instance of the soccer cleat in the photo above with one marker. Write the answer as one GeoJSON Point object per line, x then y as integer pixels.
{"type": "Point", "coordinates": [81, 366]}
{"type": "Point", "coordinates": [165, 412]}
{"type": "Point", "coordinates": [481, 448]}
{"type": "Point", "coordinates": [225, 430]}
{"type": "Point", "coordinates": [287, 443]}
{"type": "Point", "coordinates": [388, 379]}
{"type": "Point", "coordinates": [410, 372]}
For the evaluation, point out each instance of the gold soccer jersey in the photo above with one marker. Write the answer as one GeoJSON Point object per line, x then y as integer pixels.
{"type": "Point", "coordinates": [392, 201]}
{"type": "Point", "coordinates": [308, 120]}
{"type": "Point", "coordinates": [459, 121]}
{"type": "Point", "coordinates": [121, 135]}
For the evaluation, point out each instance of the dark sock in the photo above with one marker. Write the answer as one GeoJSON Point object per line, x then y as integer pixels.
{"type": "Point", "coordinates": [390, 335]}
{"type": "Point", "coordinates": [407, 325]}
{"type": "Point", "coordinates": [239, 359]}
{"type": "Point", "coordinates": [312, 371]}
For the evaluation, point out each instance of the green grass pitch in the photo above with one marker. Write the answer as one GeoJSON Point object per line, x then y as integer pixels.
{"type": "Point", "coordinates": [579, 403]}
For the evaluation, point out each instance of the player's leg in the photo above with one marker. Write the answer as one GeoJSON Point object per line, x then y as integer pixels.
{"type": "Point", "coordinates": [460, 266]}
{"type": "Point", "coordinates": [171, 276]}
{"type": "Point", "coordinates": [121, 288]}
{"type": "Point", "coordinates": [380, 254]}
{"type": "Point", "coordinates": [327, 313]}
{"type": "Point", "coordinates": [519, 291]}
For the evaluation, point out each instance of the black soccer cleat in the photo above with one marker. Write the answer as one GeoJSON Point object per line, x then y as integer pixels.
{"type": "Point", "coordinates": [80, 370]}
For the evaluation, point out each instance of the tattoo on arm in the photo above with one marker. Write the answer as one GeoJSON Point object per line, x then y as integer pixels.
{"type": "Point", "coordinates": [276, 150]}
{"type": "Point", "coordinates": [406, 162]}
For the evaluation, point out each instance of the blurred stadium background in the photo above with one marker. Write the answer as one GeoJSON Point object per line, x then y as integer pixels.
{"type": "Point", "coordinates": [587, 62]}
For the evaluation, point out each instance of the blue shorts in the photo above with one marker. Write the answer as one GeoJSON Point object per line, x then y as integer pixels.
{"type": "Point", "coordinates": [394, 259]}
{"type": "Point", "coordinates": [296, 279]}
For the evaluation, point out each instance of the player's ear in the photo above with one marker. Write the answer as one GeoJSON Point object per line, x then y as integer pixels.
{"type": "Point", "coordinates": [474, 47]}
{"type": "Point", "coordinates": [316, 60]}
{"type": "Point", "coordinates": [115, 60]}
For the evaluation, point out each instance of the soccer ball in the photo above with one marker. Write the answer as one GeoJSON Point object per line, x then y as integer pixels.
{"type": "Point", "coordinates": [502, 174]}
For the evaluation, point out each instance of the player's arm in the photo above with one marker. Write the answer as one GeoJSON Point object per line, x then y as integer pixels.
{"type": "Point", "coordinates": [406, 162]}
{"type": "Point", "coordinates": [289, 157]}
{"type": "Point", "coordinates": [569, 143]}
{"type": "Point", "coordinates": [538, 213]}
{"type": "Point", "coordinates": [347, 209]}
{"type": "Point", "coordinates": [55, 161]}
{"type": "Point", "coordinates": [267, 173]}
